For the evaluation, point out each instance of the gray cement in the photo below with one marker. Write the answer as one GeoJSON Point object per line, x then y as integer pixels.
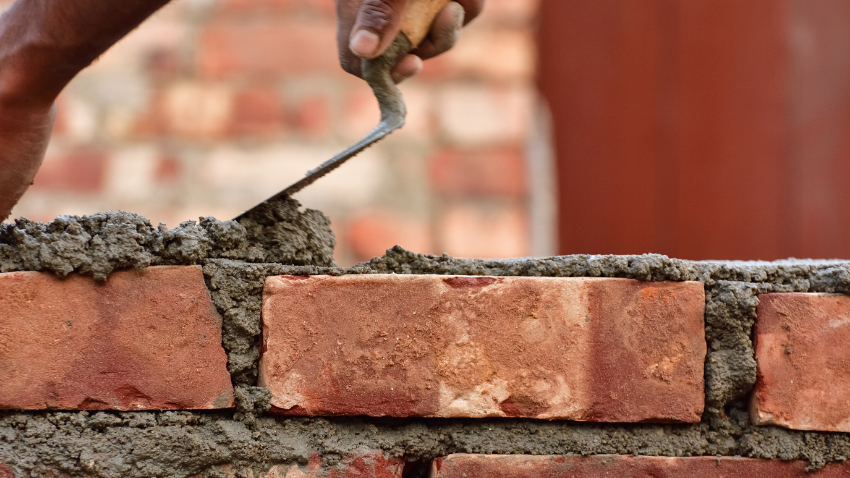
{"type": "Point", "coordinates": [98, 244]}
{"type": "Point", "coordinates": [238, 256]}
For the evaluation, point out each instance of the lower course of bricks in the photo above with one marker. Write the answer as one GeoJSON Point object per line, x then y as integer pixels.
{"type": "Point", "coordinates": [206, 361]}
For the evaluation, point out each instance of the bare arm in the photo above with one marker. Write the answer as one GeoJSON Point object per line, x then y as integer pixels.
{"type": "Point", "coordinates": [43, 45]}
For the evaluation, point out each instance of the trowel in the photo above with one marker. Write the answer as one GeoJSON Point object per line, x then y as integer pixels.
{"type": "Point", "coordinates": [416, 22]}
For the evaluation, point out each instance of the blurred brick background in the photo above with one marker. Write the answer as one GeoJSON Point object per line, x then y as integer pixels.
{"type": "Point", "coordinates": [213, 105]}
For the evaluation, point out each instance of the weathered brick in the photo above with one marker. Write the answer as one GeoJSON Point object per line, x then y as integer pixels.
{"type": "Point", "coordinates": [363, 464]}
{"type": "Point", "coordinates": [622, 466]}
{"type": "Point", "coordinates": [144, 340]}
{"type": "Point", "coordinates": [590, 349]}
{"type": "Point", "coordinates": [803, 362]}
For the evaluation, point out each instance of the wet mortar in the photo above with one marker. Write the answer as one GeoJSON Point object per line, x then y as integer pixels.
{"type": "Point", "coordinates": [284, 239]}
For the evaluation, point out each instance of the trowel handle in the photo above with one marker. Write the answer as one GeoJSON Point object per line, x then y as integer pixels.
{"type": "Point", "coordinates": [418, 17]}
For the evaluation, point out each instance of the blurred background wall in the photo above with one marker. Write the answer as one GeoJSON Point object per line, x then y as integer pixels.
{"type": "Point", "coordinates": [694, 128]}
{"type": "Point", "coordinates": [701, 129]}
{"type": "Point", "coordinates": [213, 105]}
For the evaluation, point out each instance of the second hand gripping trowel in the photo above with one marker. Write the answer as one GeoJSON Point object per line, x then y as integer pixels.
{"type": "Point", "coordinates": [416, 22]}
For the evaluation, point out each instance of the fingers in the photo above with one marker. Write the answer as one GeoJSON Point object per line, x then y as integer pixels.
{"type": "Point", "coordinates": [367, 27]}
{"type": "Point", "coordinates": [375, 27]}
{"type": "Point", "coordinates": [407, 67]}
{"type": "Point", "coordinates": [444, 32]}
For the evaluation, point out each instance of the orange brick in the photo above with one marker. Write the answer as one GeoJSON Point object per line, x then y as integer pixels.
{"type": "Point", "coordinates": [144, 340]}
{"type": "Point", "coordinates": [803, 362]}
{"type": "Point", "coordinates": [620, 466]}
{"type": "Point", "coordinates": [492, 171]}
{"type": "Point", "coordinates": [371, 234]}
{"type": "Point", "coordinates": [588, 349]}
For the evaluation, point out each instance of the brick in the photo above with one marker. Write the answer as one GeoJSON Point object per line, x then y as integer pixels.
{"type": "Point", "coordinates": [803, 362]}
{"type": "Point", "coordinates": [473, 172]}
{"type": "Point", "coordinates": [257, 111]}
{"type": "Point", "coordinates": [371, 234]}
{"type": "Point", "coordinates": [143, 340]}
{"type": "Point", "coordinates": [496, 230]}
{"type": "Point", "coordinates": [363, 464]}
{"type": "Point", "coordinates": [77, 171]}
{"type": "Point", "coordinates": [587, 349]}
{"type": "Point", "coordinates": [622, 466]}
{"type": "Point", "coordinates": [268, 45]}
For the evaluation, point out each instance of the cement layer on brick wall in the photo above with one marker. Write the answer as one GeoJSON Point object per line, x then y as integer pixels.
{"type": "Point", "coordinates": [99, 244]}
{"type": "Point", "coordinates": [182, 444]}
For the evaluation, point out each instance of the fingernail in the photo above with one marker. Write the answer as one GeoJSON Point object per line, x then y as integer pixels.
{"type": "Point", "coordinates": [364, 44]}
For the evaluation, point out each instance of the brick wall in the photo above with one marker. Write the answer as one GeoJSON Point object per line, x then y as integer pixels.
{"type": "Point", "coordinates": [418, 365]}
{"type": "Point", "coordinates": [212, 106]}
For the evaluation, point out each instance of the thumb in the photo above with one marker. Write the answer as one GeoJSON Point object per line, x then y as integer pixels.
{"type": "Point", "coordinates": [376, 26]}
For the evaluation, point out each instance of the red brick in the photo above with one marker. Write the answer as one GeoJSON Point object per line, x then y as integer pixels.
{"type": "Point", "coordinates": [803, 362]}
{"type": "Point", "coordinates": [496, 171]}
{"type": "Point", "coordinates": [144, 340]}
{"type": "Point", "coordinates": [257, 111]}
{"type": "Point", "coordinates": [268, 45]}
{"type": "Point", "coordinates": [364, 464]}
{"type": "Point", "coordinates": [6, 471]}
{"type": "Point", "coordinates": [79, 171]}
{"type": "Point", "coordinates": [589, 349]}
{"type": "Point", "coordinates": [621, 466]}
{"type": "Point", "coordinates": [371, 234]}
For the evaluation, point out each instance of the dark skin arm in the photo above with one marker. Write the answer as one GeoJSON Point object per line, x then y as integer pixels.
{"type": "Point", "coordinates": [44, 44]}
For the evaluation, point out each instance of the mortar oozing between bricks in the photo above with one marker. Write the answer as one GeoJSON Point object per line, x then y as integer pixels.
{"type": "Point", "coordinates": [284, 240]}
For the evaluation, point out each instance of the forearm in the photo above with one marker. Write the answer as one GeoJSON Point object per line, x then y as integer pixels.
{"type": "Point", "coordinates": [45, 43]}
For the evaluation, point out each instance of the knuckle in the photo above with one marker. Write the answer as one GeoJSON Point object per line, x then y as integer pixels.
{"type": "Point", "coordinates": [379, 14]}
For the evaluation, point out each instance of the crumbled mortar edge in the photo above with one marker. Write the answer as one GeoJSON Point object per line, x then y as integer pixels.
{"type": "Point", "coordinates": [183, 444]}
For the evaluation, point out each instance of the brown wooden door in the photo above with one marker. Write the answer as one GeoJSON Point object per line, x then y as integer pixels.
{"type": "Point", "coordinates": [700, 129]}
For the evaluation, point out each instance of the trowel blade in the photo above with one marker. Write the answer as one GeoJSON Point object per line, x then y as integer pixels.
{"type": "Point", "coordinates": [373, 137]}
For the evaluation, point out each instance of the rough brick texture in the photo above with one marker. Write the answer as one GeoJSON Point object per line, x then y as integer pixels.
{"type": "Point", "coordinates": [620, 466]}
{"type": "Point", "coordinates": [143, 340]}
{"type": "Point", "coordinates": [365, 464]}
{"type": "Point", "coordinates": [803, 362]}
{"type": "Point", "coordinates": [591, 349]}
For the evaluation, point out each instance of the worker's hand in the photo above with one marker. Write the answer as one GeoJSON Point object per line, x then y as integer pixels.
{"type": "Point", "coordinates": [366, 28]}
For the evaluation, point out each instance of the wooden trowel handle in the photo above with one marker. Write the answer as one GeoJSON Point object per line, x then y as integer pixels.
{"type": "Point", "coordinates": [418, 17]}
